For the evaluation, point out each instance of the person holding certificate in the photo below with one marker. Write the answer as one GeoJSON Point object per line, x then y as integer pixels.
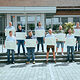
{"type": "Point", "coordinates": [50, 34]}
{"type": "Point", "coordinates": [40, 39]}
{"type": "Point", "coordinates": [10, 38]}
{"type": "Point", "coordinates": [20, 42]}
{"type": "Point", "coordinates": [30, 50]}
{"type": "Point", "coordinates": [78, 38]}
{"type": "Point", "coordinates": [71, 36]}
{"type": "Point", "coordinates": [60, 42]}
{"type": "Point", "coordinates": [12, 28]}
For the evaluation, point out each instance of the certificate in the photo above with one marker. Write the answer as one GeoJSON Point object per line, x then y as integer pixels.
{"type": "Point", "coordinates": [50, 41]}
{"type": "Point", "coordinates": [10, 45]}
{"type": "Point", "coordinates": [70, 41]}
{"type": "Point", "coordinates": [60, 37]}
{"type": "Point", "coordinates": [7, 31]}
{"type": "Point", "coordinates": [30, 42]}
{"type": "Point", "coordinates": [40, 33]}
{"type": "Point", "coordinates": [20, 35]}
{"type": "Point", "coordinates": [76, 32]}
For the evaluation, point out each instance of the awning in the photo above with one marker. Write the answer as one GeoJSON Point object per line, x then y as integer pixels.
{"type": "Point", "coordinates": [27, 9]}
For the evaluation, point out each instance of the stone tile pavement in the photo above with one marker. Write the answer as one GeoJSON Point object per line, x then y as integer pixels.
{"type": "Point", "coordinates": [40, 71]}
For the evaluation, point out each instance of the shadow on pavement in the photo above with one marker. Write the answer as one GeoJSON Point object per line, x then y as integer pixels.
{"type": "Point", "coordinates": [61, 64]}
{"type": "Point", "coordinates": [39, 65]}
{"type": "Point", "coordinates": [18, 66]}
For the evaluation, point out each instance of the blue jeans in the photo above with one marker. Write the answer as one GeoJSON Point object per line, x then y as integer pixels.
{"type": "Point", "coordinates": [68, 52]}
{"type": "Point", "coordinates": [62, 44]}
{"type": "Point", "coordinates": [21, 42]}
{"type": "Point", "coordinates": [78, 39]}
{"type": "Point", "coordinates": [29, 52]}
{"type": "Point", "coordinates": [40, 41]}
{"type": "Point", "coordinates": [8, 54]}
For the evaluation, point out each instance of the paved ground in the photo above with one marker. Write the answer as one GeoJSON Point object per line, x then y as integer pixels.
{"type": "Point", "coordinates": [40, 71]}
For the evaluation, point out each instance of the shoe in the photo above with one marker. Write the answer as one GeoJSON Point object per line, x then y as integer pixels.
{"type": "Point", "coordinates": [56, 54]}
{"type": "Point", "coordinates": [67, 61]}
{"type": "Point", "coordinates": [8, 62]}
{"type": "Point", "coordinates": [62, 54]}
{"type": "Point", "coordinates": [46, 61]}
{"type": "Point", "coordinates": [27, 62]}
{"type": "Point", "coordinates": [42, 50]}
{"type": "Point", "coordinates": [33, 62]}
{"type": "Point", "coordinates": [13, 62]}
{"type": "Point", "coordinates": [55, 60]}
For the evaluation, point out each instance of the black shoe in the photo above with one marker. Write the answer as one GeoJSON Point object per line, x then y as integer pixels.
{"type": "Point", "coordinates": [42, 50]}
{"type": "Point", "coordinates": [8, 62]}
{"type": "Point", "coordinates": [75, 49]}
{"type": "Point", "coordinates": [13, 62]}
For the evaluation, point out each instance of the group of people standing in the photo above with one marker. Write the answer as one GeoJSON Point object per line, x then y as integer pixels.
{"type": "Point", "coordinates": [41, 40]}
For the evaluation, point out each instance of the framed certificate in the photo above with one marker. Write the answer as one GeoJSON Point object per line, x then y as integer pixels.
{"type": "Point", "coordinates": [40, 33]}
{"type": "Point", "coordinates": [10, 45]}
{"type": "Point", "coordinates": [61, 37]}
{"type": "Point", "coordinates": [30, 42]}
{"type": "Point", "coordinates": [70, 41]}
{"type": "Point", "coordinates": [20, 35]}
{"type": "Point", "coordinates": [50, 41]}
{"type": "Point", "coordinates": [76, 32]}
{"type": "Point", "coordinates": [7, 31]}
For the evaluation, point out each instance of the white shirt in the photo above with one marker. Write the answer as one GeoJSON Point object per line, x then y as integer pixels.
{"type": "Point", "coordinates": [70, 36]}
{"type": "Point", "coordinates": [39, 28]}
{"type": "Point", "coordinates": [8, 27]}
{"type": "Point", "coordinates": [10, 38]}
{"type": "Point", "coordinates": [50, 35]}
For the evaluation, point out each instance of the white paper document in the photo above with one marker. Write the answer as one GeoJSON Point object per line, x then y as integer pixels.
{"type": "Point", "coordinates": [70, 41]}
{"type": "Point", "coordinates": [20, 35]}
{"type": "Point", "coordinates": [40, 33]}
{"type": "Point", "coordinates": [10, 45]}
{"type": "Point", "coordinates": [31, 42]}
{"type": "Point", "coordinates": [50, 41]}
{"type": "Point", "coordinates": [76, 32]}
{"type": "Point", "coordinates": [61, 37]}
{"type": "Point", "coordinates": [7, 31]}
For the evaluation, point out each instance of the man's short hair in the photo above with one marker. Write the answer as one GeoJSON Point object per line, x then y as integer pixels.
{"type": "Point", "coordinates": [50, 29]}
{"type": "Point", "coordinates": [10, 31]}
{"type": "Point", "coordinates": [29, 31]}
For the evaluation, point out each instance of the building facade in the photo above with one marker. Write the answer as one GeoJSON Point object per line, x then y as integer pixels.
{"type": "Point", "coordinates": [28, 13]}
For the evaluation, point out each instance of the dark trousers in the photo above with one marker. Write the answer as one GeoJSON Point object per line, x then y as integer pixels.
{"type": "Point", "coordinates": [29, 52]}
{"type": "Point", "coordinates": [8, 54]}
{"type": "Point", "coordinates": [68, 52]}
{"type": "Point", "coordinates": [21, 42]}
{"type": "Point", "coordinates": [40, 41]}
{"type": "Point", "coordinates": [78, 39]}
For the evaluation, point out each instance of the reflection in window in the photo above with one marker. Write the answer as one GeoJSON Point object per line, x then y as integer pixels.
{"type": "Point", "coordinates": [64, 20]}
{"type": "Point", "coordinates": [76, 19]}
{"type": "Point", "coordinates": [48, 23]}
{"type": "Point", "coordinates": [21, 21]}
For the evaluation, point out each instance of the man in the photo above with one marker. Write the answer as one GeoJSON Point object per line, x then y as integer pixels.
{"type": "Point", "coordinates": [50, 34]}
{"type": "Point", "coordinates": [70, 35]}
{"type": "Point", "coordinates": [20, 42]}
{"type": "Point", "coordinates": [40, 39]}
{"type": "Point", "coordinates": [10, 26]}
{"type": "Point", "coordinates": [60, 42]}
{"type": "Point", "coordinates": [10, 38]}
{"type": "Point", "coordinates": [30, 50]}
{"type": "Point", "coordinates": [78, 38]}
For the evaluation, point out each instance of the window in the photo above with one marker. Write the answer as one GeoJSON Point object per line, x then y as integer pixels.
{"type": "Point", "coordinates": [64, 20]}
{"type": "Point", "coordinates": [76, 19]}
{"type": "Point", "coordinates": [22, 21]}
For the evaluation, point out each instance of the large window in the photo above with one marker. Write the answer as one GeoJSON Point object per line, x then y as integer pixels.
{"type": "Point", "coordinates": [64, 20]}
{"type": "Point", "coordinates": [76, 19]}
{"type": "Point", "coordinates": [22, 21]}
{"type": "Point", "coordinates": [48, 23]}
